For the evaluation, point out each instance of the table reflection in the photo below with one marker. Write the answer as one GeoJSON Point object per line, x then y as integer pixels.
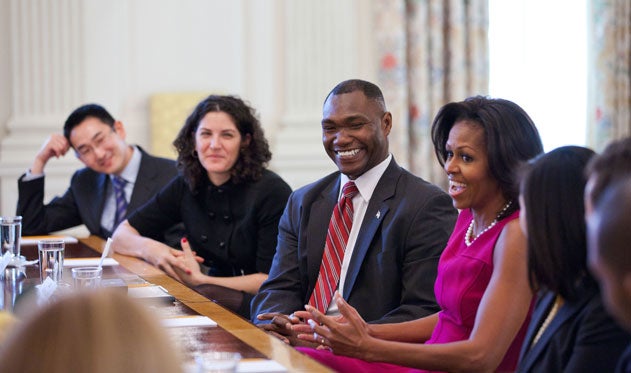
{"type": "Point", "coordinates": [12, 285]}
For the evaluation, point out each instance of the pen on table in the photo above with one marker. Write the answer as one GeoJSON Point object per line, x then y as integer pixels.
{"type": "Point", "coordinates": [163, 289]}
{"type": "Point", "coordinates": [106, 251]}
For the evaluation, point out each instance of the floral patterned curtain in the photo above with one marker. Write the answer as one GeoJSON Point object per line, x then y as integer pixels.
{"type": "Point", "coordinates": [431, 52]}
{"type": "Point", "coordinates": [609, 103]}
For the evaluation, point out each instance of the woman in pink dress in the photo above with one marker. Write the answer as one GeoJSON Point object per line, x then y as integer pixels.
{"type": "Point", "coordinates": [482, 284]}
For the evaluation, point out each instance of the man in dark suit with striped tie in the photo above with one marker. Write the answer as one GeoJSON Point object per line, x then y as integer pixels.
{"type": "Point", "coordinates": [398, 227]}
{"type": "Point", "coordinates": [94, 198]}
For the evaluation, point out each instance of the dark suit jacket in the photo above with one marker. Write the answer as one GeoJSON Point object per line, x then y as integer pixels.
{"type": "Point", "coordinates": [624, 364]}
{"type": "Point", "coordinates": [83, 201]}
{"type": "Point", "coordinates": [392, 272]}
{"type": "Point", "coordinates": [581, 338]}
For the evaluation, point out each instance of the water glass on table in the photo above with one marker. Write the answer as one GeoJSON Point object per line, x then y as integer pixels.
{"type": "Point", "coordinates": [10, 234]}
{"type": "Point", "coordinates": [87, 277]}
{"type": "Point", "coordinates": [51, 259]}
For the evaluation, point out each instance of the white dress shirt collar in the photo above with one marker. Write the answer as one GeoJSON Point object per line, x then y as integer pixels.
{"type": "Point", "coordinates": [367, 182]}
{"type": "Point", "coordinates": [130, 172]}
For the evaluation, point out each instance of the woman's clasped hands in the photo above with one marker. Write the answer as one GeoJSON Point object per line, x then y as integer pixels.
{"type": "Point", "coordinates": [188, 269]}
{"type": "Point", "coordinates": [345, 334]}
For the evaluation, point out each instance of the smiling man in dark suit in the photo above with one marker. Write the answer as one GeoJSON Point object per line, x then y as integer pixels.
{"type": "Point", "coordinates": [99, 142]}
{"type": "Point", "coordinates": [400, 224]}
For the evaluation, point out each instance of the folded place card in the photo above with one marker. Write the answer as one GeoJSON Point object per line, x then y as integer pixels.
{"type": "Point", "coordinates": [174, 322]}
{"type": "Point", "coordinates": [89, 262]}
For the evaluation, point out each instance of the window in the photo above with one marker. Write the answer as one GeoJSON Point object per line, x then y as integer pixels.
{"type": "Point", "coordinates": [538, 59]}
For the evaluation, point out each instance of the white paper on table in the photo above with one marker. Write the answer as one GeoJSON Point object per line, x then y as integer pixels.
{"type": "Point", "coordinates": [148, 291]}
{"type": "Point", "coordinates": [89, 262]}
{"type": "Point", "coordinates": [45, 290]}
{"type": "Point", "coordinates": [32, 240]}
{"type": "Point", "coordinates": [260, 366]}
{"type": "Point", "coordinates": [174, 322]}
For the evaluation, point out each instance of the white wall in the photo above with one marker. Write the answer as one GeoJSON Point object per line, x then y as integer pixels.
{"type": "Point", "coordinates": [283, 56]}
{"type": "Point", "coordinates": [5, 68]}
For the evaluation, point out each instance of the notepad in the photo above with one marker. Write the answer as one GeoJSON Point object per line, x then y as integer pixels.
{"type": "Point", "coordinates": [260, 366]}
{"type": "Point", "coordinates": [150, 292]}
{"type": "Point", "coordinates": [174, 322]}
{"type": "Point", "coordinates": [32, 240]}
{"type": "Point", "coordinates": [89, 262]}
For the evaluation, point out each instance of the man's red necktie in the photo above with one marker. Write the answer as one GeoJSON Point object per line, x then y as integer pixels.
{"type": "Point", "coordinates": [336, 239]}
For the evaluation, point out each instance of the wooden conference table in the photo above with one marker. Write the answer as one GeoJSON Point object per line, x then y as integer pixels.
{"type": "Point", "coordinates": [232, 332]}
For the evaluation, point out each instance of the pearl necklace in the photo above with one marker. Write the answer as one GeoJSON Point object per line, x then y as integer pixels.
{"type": "Point", "coordinates": [467, 238]}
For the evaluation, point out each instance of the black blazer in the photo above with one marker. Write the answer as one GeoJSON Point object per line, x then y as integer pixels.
{"type": "Point", "coordinates": [392, 272]}
{"type": "Point", "coordinates": [83, 201]}
{"type": "Point", "coordinates": [581, 338]}
{"type": "Point", "coordinates": [624, 364]}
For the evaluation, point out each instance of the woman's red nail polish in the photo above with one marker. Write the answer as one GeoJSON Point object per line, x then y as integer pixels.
{"type": "Point", "coordinates": [184, 239]}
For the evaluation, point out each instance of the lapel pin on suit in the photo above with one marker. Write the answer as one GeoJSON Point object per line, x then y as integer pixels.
{"type": "Point", "coordinates": [378, 214]}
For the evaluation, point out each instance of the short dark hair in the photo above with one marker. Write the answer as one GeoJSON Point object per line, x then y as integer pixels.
{"type": "Point", "coordinates": [82, 112]}
{"type": "Point", "coordinates": [614, 162]}
{"type": "Point", "coordinates": [369, 89]}
{"type": "Point", "coordinates": [613, 222]}
{"type": "Point", "coordinates": [552, 188]}
{"type": "Point", "coordinates": [252, 159]}
{"type": "Point", "coordinates": [511, 138]}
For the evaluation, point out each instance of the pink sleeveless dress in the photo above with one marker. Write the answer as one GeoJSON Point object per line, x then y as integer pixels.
{"type": "Point", "coordinates": [464, 273]}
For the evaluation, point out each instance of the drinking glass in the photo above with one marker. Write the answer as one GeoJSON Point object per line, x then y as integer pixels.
{"type": "Point", "coordinates": [87, 277]}
{"type": "Point", "coordinates": [10, 234]}
{"type": "Point", "coordinates": [51, 259]}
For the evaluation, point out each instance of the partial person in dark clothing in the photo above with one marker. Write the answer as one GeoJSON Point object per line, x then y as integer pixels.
{"type": "Point", "coordinates": [99, 143]}
{"type": "Point", "coordinates": [605, 168]}
{"type": "Point", "coordinates": [229, 202]}
{"type": "Point", "coordinates": [570, 330]}
{"type": "Point", "coordinates": [608, 232]}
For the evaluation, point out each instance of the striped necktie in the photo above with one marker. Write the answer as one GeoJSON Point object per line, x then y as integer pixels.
{"type": "Point", "coordinates": [336, 239]}
{"type": "Point", "coordinates": [121, 202]}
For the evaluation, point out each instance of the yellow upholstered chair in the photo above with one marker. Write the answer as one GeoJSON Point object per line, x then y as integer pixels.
{"type": "Point", "coordinates": [167, 113]}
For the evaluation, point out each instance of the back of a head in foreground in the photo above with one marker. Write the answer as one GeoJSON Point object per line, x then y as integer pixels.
{"type": "Point", "coordinates": [605, 168]}
{"type": "Point", "coordinates": [95, 332]}
{"type": "Point", "coordinates": [609, 241]}
{"type": "Point", "coordinates": [611, 233]}
{"type": "Point", "coordinates": [7, 323]}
